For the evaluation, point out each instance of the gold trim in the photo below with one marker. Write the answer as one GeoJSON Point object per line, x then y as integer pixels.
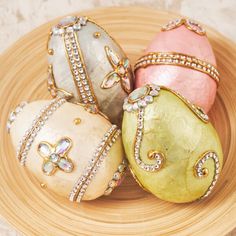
{"type": "Point", "coordinates": [136, 179]}
{"type": "Point", "coordinates": [35, 127]}
{"type": "Point", "coordinates": [85, 69]}
{"type": "Point", "coordinates": [52, 88]}
{"type": "Point", "coordinates": [113, 131]}
{"type": "Point", "coordinates": [178, 59]}
{"type": "Point", "coordinates": [96, 35]}
{"type": "Point", "coordinates": [87, 97]}
{"type": "Point", "coordinates": [195, 109]}
{"type": "Point", "coordinates": [71, 69]}
{"type": "Point", "coordinates": [87, 108]}
{"type": "Point", "coordinates": [43, 185]}
{"type": "Point", "coordinates": [77, 121]}
{"type": "Point", "coordinates": [49, 50]}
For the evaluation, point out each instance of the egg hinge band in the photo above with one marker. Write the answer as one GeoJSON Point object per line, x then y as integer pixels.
{"type": "Point", "coordinates": [177, 59]}
{"type": "Point", "coordinates": [29, 136]}
{"type": "Point", "coordinates": [90, 171]}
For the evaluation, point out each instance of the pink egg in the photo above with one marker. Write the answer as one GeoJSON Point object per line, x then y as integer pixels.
{"type": "Point", "coordinates": [197, 86]}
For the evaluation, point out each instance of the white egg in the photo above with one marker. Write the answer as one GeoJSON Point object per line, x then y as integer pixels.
{"type": "Point", "coordinates": [76, 154]}
{"type": "Point", "coordinates": [86, 63]}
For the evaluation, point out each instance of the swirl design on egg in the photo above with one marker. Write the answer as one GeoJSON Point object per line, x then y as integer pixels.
{"type": "Point", "coordinates": [201, 172]}
{"type": "Point", "coordinates": [137, 101]}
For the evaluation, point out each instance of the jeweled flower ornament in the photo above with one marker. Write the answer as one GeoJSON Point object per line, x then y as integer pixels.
{"type": "Point", "coordinates": [121, 72]}
{"type": "Point", "coordinates": [141, 97]}
{"type": "Point", "coordinates": [189, 24]}
{"type": "Point", "coordinates": [55, 156]}
{"type": "Point", "coordinates": [69, 23]}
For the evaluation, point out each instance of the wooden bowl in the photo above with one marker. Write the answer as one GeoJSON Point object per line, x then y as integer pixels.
{"type": "Point", "coordinates": [129, 210]}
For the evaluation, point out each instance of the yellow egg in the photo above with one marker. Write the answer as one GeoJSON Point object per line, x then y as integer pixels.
{"type": "Point", "coordinates": [172, 148]}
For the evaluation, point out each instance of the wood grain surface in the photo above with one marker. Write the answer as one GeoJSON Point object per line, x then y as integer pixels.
{"type": "Point", "coordinates": [129, 210]}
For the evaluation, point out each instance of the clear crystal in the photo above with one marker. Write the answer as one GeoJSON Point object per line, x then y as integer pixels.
{"type": "Point", "coordinates": [65, 165]}
{"type": "Point", "coordinates": [113, 56]}
{"type": "Point", "coordinates": [44, 149]}
{"type": "Point", "coordinates": [48, 168]}
{"type": "Point", "coordinates": [154, 93]}
{"type": "Point", "coordinates": [83, 20]}
{"type": "Point", "coordinates": [142, 103]}
{"type": "Point", "coordinates": [77, 27]}
{"type": "Point", "coordinates": [54, 158]}
{"type": "Point", "coordinates": [62, 146]}
{"type": "Point", "coordinates": [149, 99]}
{"type": "Point", "coordinates": [69, 20]}
{"type": "Point", "coordinates": [12, 116]}
{"type": "Point", "coordinates": [138, 93]}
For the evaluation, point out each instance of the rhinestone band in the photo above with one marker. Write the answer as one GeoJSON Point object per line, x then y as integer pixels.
{"type": "Point", "coordinates": [78, 69]}
{"type": "Point", "coordinates": [31, 133]}
{"type": "Point", "coordinates": [201, 172]}
{"type": "Point", "coordinates": [138, 100]}
{"type": "Point", "coordinates": [68, 28]}
{"type": "Point", "coordinates": [159, 157]}
{"type": "Point", "coordinates": [188, 23]}
{"type": "Point", "coordinates": [13, 115]}
{"type": "Point", "coordinates": [100, 154]}
{"type": "Point", "coordinates": [177, 59]}
{"type": "Point", "coordinates": [117, 177]}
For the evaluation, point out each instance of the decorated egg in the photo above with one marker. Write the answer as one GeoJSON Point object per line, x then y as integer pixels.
{"type": "Point", "coordinates": [173, 150]}
{"type": "Point", "coordinates": [88, 66]}
{"type": "Point", "coordinates": [76, 154]}
{"type": "Point", "coordinates": [180, 57]}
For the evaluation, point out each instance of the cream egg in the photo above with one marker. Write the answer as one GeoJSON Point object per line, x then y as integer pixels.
{"type": "Point", "coordinates": [76, 154]}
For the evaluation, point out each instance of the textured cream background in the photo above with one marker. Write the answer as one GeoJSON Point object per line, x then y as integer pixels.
{"type": "Point", "coordinates": [18, 17]}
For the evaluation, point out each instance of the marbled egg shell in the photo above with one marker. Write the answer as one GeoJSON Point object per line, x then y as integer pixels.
{"type": "Point", "coordinates": [196, 86]}
{"type": "Point", "coordinates": [87, 62]}
{"type": "Point", "coordinates": [83, 132]}
{"type": "Point", "coordinates": [186, 146]}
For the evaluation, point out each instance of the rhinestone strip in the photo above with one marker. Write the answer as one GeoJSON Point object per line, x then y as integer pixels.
{"type": "Point", "coordinates": [90, 171]}
{"type": "Point", "coordinates": [78, 68]}
{"type": "Point", "coordinates": [138, 139]}
{"type": "Point", "coordinates": [117, 177]}
{"type": "Point", "coordinates": [14, 114]}
{"type": "Point", "coordinates": [178, 59]}
{"type": "Point", "coordinates": [38, 123]}
{"type": "Point", "coordinates": [199, 170]}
